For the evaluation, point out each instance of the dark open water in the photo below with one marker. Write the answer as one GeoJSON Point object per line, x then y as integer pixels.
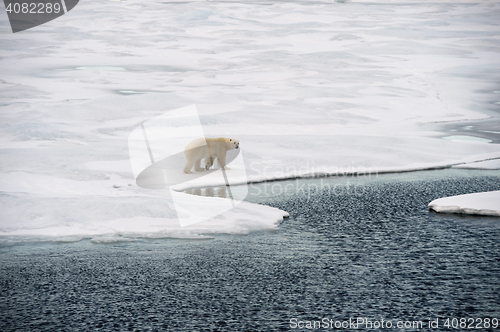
{"type": "Point", "coordinates": [374, 252]}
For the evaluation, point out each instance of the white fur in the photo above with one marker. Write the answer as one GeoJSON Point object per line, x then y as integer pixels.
{"type": "Point", "coordinates": [208, 149]}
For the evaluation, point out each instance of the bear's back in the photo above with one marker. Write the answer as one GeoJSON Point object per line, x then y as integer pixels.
{"type": "Point", "coordinates": [218, 139]}
{"type": "Point", "coordinates": [196, 143]}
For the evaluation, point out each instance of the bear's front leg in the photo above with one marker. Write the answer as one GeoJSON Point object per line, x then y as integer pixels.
{"type": "Point", "coordinates": [222, 161]}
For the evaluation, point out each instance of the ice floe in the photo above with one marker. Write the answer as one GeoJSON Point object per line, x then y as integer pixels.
{"type": "Point", "coordinates": [486, 204]}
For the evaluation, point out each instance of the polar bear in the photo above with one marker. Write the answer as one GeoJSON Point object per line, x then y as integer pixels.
{"type": "Point", "coordinates": [208, 149]}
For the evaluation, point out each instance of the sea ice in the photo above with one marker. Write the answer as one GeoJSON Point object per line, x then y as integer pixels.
{"type": "Point", "coordinates": [486, 204]}
{"type": "Point", "coordinates": [487, 164]}
{"type": "Point", "coordinates": [320, 87]}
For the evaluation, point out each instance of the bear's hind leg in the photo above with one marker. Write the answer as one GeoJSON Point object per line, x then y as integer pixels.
{"type": "Point", "coordinates": [187, 168]}
{"type": "Point", "coordinates": [197, 166]}
{"type": "Point", "coordinates": [209, 162]}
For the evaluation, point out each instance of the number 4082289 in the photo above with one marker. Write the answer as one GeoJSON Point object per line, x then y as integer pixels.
{"type": "Point", "coordinates": [471, 323]}
{"type": "Point", "coordinates": [33, 8]}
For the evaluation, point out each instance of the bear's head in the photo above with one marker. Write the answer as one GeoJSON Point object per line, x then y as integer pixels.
{"type": "Point", "coordinates": [234, 143]}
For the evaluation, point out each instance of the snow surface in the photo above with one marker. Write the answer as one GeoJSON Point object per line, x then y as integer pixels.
{"type": "Point", "coordinates": [487, 204]}
{"type": "Point", "coordinates": [308, 87]}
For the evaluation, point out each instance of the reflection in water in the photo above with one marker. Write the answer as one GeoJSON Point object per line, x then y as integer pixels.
{"type": "Point", "coordinates": [209, 192]}
{"type": "Point", "coordinates": [196, 191]}
{"type": "Point", "coordinates": [221, 192]}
